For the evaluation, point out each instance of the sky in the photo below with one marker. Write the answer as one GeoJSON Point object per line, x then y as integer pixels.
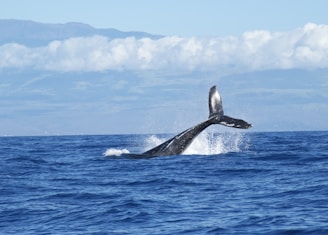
{"type": "Point", "coordinates": [269, 60]}
{"type": "Point", "coordinates": [170, 17]}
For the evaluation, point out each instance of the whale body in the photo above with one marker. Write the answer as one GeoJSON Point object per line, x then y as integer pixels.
{"type": "Point", "coordinates": [180, 142]}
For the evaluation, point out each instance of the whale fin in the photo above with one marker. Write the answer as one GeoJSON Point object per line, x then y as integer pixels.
{"type": "Point", "coordinates": [214, 103]}
{"type": "Point", "coordinates": [233, 122]}
{"type": "Point", "coordinates": [217, 115]}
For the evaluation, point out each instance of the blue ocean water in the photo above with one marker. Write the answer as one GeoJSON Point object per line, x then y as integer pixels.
{"type": "Point", "coordinates": [230, 183]}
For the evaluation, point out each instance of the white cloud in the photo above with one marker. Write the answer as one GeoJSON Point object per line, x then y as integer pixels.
{"type": "Point", "coordinates": [305, 47]}
{"type": "Point", "coordinates": [15, 55]}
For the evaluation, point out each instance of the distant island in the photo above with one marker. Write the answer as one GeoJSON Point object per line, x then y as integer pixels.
{"type": "Point", "coordinates": [30, 33]}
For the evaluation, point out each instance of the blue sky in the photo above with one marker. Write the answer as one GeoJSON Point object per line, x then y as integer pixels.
{"type": "Point", "coordinates": [171, 17]}
{"type": "Point", "coordinates": [269, 60]}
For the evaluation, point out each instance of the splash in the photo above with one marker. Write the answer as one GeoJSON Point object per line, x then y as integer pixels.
{"type": "Point", "coordinates": [207, 143]}
{"type": "Point", "coordinates": [152, 141]}
{"type": "Point", "coordinates": [115, 152]}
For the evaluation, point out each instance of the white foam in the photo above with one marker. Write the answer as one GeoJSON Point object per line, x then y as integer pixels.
{"type": "Point", "coordinates": [115, 152]}
{"type": "Point", "coordinates": [207, 143]}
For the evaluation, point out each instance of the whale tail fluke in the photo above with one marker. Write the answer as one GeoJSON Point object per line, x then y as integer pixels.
{"type": "Point", "coordinates": [217, 114]}
{"type": "Point", "coordinates": [179, 143]}
{"type": "Point", "coordinates": [233, 122]}
{"type": "Point", "coordinates": [214, 103]}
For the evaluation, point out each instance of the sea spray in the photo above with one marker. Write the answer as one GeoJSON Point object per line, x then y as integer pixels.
{"type": "Point", "coordinates": [207, 143]}
{"type": "Point", "coordinates": [115, 152]}
{"type": "Point", "coordinates": [152, 141]}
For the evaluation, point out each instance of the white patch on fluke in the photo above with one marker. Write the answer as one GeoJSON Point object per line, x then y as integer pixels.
{"type": "Point", "coordinates": [228, 124]}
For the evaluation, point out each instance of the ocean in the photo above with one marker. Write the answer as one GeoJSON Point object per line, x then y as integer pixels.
{"type": "Point", "coordinates": [225, 183]}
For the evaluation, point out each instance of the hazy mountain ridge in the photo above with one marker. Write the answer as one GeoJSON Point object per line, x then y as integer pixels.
{"type": "Point", "coordinates": [30, 33]}
{"type": "Point", "coordinates": [270, 100]}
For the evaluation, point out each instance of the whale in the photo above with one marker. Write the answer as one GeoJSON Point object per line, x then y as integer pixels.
{"type": "Point", "coordinates": [179, 143]}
